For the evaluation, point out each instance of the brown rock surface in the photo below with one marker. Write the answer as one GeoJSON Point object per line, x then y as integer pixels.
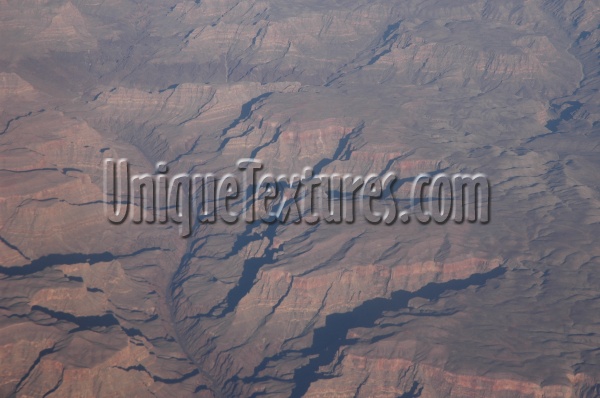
{"type": "Point", "coordinates": [506, 309]}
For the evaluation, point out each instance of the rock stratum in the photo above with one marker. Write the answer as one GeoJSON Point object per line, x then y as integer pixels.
{"type": "Point", "coordinates": [506, 309]}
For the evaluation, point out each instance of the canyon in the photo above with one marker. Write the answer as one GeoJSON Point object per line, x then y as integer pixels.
{"type": "Point", "coordinates": [502, 309]}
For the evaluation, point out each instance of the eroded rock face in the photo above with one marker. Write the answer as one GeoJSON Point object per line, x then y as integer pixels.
{"type": "Point", "coordinates": [506, 309]}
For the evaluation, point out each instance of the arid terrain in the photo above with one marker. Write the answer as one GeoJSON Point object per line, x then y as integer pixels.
{"type": "Point", "coordinates": [509, 89]}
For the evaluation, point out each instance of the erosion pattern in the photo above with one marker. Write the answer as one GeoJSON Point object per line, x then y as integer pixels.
{"type": "Point", "coordinates": [507, 309]}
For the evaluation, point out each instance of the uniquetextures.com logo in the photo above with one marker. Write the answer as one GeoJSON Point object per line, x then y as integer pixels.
{"type": "Point", "coordinates": [252, 195]}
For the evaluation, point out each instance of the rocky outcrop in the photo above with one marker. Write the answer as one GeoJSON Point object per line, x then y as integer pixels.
{"type": "Point", "coordinates": [506, 309]}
